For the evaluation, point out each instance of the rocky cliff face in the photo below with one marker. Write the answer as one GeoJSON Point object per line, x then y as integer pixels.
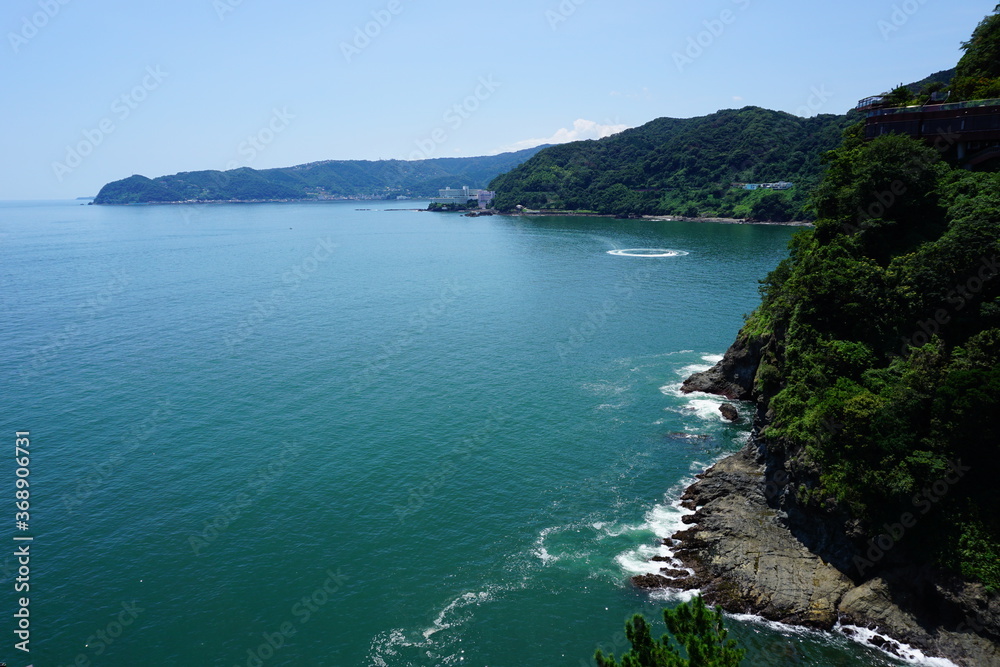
{"type": "Point", "coordinates": [754, 550]}
{"type": "Point", "coordinates": [733, 377]}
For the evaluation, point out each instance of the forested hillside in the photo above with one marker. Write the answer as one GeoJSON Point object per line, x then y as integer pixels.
{"type": "Point", "coordinates": [683, 167]}
{"type": "Point", "coordinates": [880, 370]}
{"type": "Point", "coordinates": [881, 364]}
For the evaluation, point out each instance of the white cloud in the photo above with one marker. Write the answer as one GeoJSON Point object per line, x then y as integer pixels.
{"type": "Point", "coordinates": [582, 129]}
{"type": "Point", "coordinates": [737, 98]}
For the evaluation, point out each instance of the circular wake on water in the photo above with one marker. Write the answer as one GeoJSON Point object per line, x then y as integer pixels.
{"type": "Point", "coordinates": [647, 252]}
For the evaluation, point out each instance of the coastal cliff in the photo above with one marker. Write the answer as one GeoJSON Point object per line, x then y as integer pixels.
{"type": "Point", "coordinates": [866, 497]}
{"type": "Point", "coordinates": [753, 549]}
{"type": "Point", "coordinates": [733, 377]}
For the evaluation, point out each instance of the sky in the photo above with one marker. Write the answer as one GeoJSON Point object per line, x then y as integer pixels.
{"type": "Point", "coordinates": [95, 91]}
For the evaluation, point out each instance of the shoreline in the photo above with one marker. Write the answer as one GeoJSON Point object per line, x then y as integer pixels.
{"type": "Point", "coordinates": [752, 549]}
{"type": "Point", "coordinates": [726, 221]}
{"type": "Point", "coordinates": [532, 213]}
{"type": "Point", "coordinates": [748, 554]}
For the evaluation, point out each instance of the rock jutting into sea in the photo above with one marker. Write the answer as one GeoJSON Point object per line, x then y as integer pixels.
{"type": "Point", "coordinates": [729, 412]}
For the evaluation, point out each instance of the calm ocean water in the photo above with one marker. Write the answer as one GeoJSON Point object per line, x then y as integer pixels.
{"type": "Point", "coordinates": [305, 434]}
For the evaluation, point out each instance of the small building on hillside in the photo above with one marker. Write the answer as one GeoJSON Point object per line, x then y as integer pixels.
{"type": "Point", "coordinates": [780, 185]}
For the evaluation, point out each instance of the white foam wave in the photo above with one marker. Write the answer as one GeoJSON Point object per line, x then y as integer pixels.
{"type": "Point", "coordinates": [672, 390]}
{"type": "Point", "coordinates": [908, 653]}
{"type": "Point", "coordinates": [613, 530]}
{"type": "Point", "coordinates": [601, 530]}
{"type": "Point", "coordinates": [706, 408]}
{"type": "Point", "coordinates": [674, 595]}
{"type": "Point", "coordinates": [381, 647]}
{"type": "Point", "coordinates": [856, 634]}
{"type": "Point", "coordinates": [691, 369]}
{"type": "Point", "coordinates": [712, 358]}
{"type": "Point", "coordinates": [464, 600]}
{"type": "Point", "coordinates": [539, 547]}
{"type": "Point", "coordinates": [647, 252]}
{"type": "Point", "coordinates": [662, 521]}
{"type": "Point", "coordinates": [783, 628]}
{"type": "Point", "coordinates": [391, 642]}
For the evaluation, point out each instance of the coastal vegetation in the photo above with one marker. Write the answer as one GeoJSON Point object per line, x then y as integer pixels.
{"type": "Point", "coordinates": [978, 73]}
{"type": "Point", "coordinates": [881, 363]}
{"type": "Point", "coordinates": [686, 167]}
{"type": "Point", "coordinates": [317, 180]}
{"type": "Point", "coordinates": [700, 631]}
{"type": "Point", "coordinates": [866, 496]}
{"type": "Point", "coordinates": [881, 373]}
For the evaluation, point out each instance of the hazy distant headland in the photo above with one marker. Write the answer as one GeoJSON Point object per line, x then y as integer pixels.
{"type": "Point", "coordinates": [330, 179]}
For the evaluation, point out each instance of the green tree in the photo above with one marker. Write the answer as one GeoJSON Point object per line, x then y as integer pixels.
{"type": "Point", "coordinates": [773, 206]}
{"type": "Point", "coordinates": [886, 190]}
{"type": "Point", "coordinates": [901, 96]}
{"type": "Point", "coordinates": [695, 627]}
{"type": "Point", "coordinates": [978, 73]}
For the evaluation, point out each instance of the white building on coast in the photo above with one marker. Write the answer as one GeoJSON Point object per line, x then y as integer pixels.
{"type": "Point", "coordinates": [462, 197]}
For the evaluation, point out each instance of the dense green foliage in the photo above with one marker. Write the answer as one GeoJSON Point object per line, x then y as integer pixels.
{"type": "Point", "coordinates": [885, 379]}
{"type": "Point", "coordinates": [978, 73]}
{"type": "Point", "coordinates": [682, 167]}
{"type": "Point", "coordinates": [696, 628]}
{"type": "Point", "coordinates": [339, 178]}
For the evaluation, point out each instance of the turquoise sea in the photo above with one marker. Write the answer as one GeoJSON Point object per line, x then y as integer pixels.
{"type": "Point", "coordinates": [311, 435]}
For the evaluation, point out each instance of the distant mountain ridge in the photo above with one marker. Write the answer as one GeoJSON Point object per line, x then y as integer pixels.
{"type": "Point", "coordinates": [316, 180]}
{"type": "Point", "coordinates": [690, 167]}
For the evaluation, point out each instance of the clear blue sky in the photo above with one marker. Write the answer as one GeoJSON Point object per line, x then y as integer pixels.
{"type": "Point", "coordinates": [159, 87]}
